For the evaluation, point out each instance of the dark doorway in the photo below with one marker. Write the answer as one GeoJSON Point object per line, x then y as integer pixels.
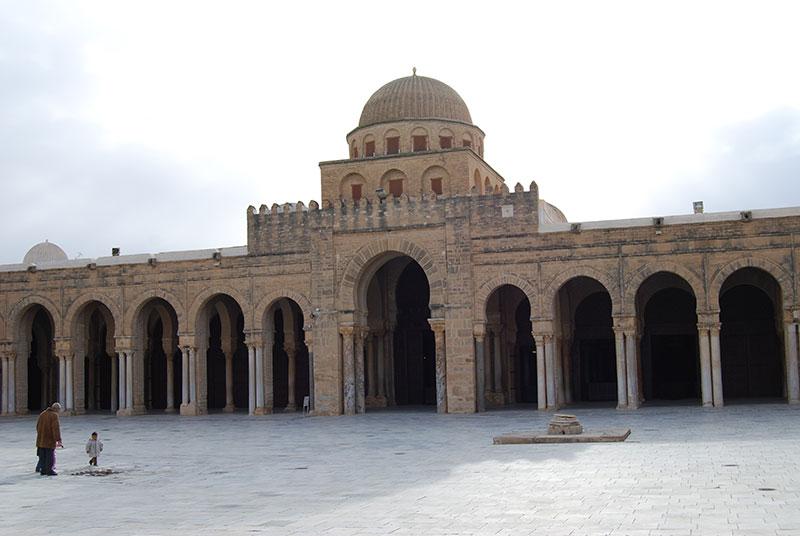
{"type": "Point", "coordinates": [670, 362]}
{"type": "Point", "coordinates": [594, 339]}
{"type": "Point", "coordinates": [750, 347]}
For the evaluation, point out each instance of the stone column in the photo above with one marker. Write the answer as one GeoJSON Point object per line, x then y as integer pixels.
{"type": "Point", "coordinates": [114, 382]}
{"type": "Point", "coordinates": [550, 367]}
{"type": "Point", "coordinates": [193, 377]}
{"type": "Point", "coordinates": [12, 383]}
{"type": "Point", "coordinates": [372, 376]}
{"type": "Point", "coordinates": [622, 368]}
{"type": "Point", "coordinates": [437, 325]}
{"type": "Point", "coordinates": [129, 381]}
{"type": "Point", "coordinates": [170, 355]}
{"type": "Point", "coordinates": [792, 376]}
{"type": "Point", "coordinates": [380, 359]}
{"type": "Point", "coordinates": [705, 365]}
{"type": "Point", "coordinates": [68, 400]}
{"type": "Point", "coordinates": [308, 332]}
{"type": "Point", "coordinates": [268, 359]}
{"type": "Point", "coordinates": [228, 354]}
{"type": "Point", "coordinates": [291, 352]}
{"type": "Point", "coordinates": [716, 365]}
{"type": "Point", "coordinates": [251, 379]}
{"type": "Point", "coordinates": [479, 332]}
{"type": "Point", "coordinates": [122, 382]}
{"type": "Point", "coordinates": [184, 377]}
{"type": "Point", "coordinates": [4, 387]}
{"type": "Point", "coordinates": [62, 378]}
{"type": "Point", "coordinates": [541, 383]}
{"type": "Point", "coordinates": [358, 362]}
{"type": "Point", "coordinates": [348, 371]}
{"type": "Point", "coordinates": [259, 379]}
{"type": "Point", "coordinates": [632, 369]}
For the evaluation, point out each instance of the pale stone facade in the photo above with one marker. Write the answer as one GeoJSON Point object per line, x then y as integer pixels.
{"type": "Point", "coordinates": [420, 279]}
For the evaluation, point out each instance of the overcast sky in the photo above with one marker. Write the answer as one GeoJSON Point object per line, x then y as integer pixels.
{"type": "Point", "coordinates": [151, 126]}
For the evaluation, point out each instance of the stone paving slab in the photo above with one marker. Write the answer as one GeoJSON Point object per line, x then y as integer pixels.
{"type": "Point", "coordinates": [683, 470]}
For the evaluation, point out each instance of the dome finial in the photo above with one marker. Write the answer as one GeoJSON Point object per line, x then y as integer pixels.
{"type": "Point", "coordinates": [414, 70]}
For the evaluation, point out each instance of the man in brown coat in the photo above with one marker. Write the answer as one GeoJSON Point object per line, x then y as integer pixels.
{"type": "Point", "coordinates": [48, 437]}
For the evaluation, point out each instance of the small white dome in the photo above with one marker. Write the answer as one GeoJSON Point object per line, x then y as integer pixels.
{"type": "Point", "coordinates": [550, 213]}
{"type": "Point", "coordinates": [44, 252]}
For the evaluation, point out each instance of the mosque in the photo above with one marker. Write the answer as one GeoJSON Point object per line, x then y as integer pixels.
{"type": "Point", "coordinates": [421, 279]}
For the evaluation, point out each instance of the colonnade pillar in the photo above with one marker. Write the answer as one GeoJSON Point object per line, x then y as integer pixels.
{"type": "Point", "coordinates": [267, 362]}
{"type": "Point", "coordinates": [438, 325]}
{"type": "Point", "coordinates": [792, 341]}
{"type": "Point", "coordinates": [359, 336]}
{"type": "Point", "coordinates": [479, 332]}
{"type": "Point", "coordinates": [251, 379]}
{"type": "Point", "coordinates": [626, 342]}
{"type": "Point", "coordinates": [189, 405]}
{"type": "Point", "coordinates": [125, 382]}
{"type": "Point", "coordinates": [228, 353]}
{"type": "Point", "coordinates": [308, 332]}
{"type": "Point", "coordinates": [8, 387]}
{"type": "Point", "coordinates": [169, 352]}
{"type": "Point", "coordinates": [291, 352]}
{"type": "Point", "coordinates": [708, 330]}
{"type": "Point", "coordinates": [348, 370]}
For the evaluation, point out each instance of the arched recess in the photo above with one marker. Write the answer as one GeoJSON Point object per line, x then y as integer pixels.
{"type": "Point", "coordinates": [395, 182]}
{"type": "Point", "coordinates": [487, 288]}
{"type": "Point", "coordinates": [476, 180]}
{"type": "Point", "coordinates": [17, 311]}
{"type": "Point", "coordinates": [222, 373]}
{"type": "Point", "coordinates": [554, 285]}
{"type": "Point", "coordinates": [352, 184]}
{"type": "Point", "coordinates": [584, 362]}
{"type": "Point", "coordinates": [155, 326]}
{"type": "Point", "coordinates": [508, 372]}
{"type": "Point", "coordinates": [751, 345]}
{"type": "Point", "coordinates": [666, 313]}
{"type": "Point", "coordinates": [92, 330]}
{"type": "Point", "coordinates": [135, 305]}
{"type": "Point", "coordinates": [36, 372]}
{"type": "Point", "coordinates": [288, 370]}
{"type": "Point", "coordinates": [634, 282]}
{"type": "Point", "coordinates": [720, 276]}
{"type": "Point", "coordinates": [435, 179]}
{"type": "Point", "coordinates": [369, 258]}
{"type": "Point", "coordinates": [202, 298]}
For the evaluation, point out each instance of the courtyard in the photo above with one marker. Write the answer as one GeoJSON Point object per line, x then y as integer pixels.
{"type": "Point", "coordinates": [683, 470]}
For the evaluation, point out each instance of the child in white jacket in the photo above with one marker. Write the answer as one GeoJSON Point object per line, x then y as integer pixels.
{"type": "Point", "coordinates": [93, 448]}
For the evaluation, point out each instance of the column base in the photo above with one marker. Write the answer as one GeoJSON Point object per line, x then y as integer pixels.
{"type": "Point", "coordinates": [258, 411]}
{"type": "Point", "coordinates": [794, 401]}
{"type": "Point", "coordinates": [376, 401]}
{"type": "Point", "coordinates": [170, 410]}
{"type": "Point", "coordinates": [189, 409]}
{"type": "Point", "coordinates": [127, 412]}
{"type": "Point", "coordinates": [290, 407]}
{"type": "Point", "coordinates": [228, 409]}
{"type": "Point", "coordinates": [66, 413]}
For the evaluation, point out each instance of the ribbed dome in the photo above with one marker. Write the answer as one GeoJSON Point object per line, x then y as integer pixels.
{"type": "Point", "coordinates": [44, 252]}
{"type": "Point", "coordinates": [414, 97]}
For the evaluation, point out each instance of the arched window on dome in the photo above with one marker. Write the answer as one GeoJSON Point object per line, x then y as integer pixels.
{"type": "Point", "coordinates": [354, 150]}
{"type": "Point", "coordinates": [446, 139]}
{"type": "Point", "coordinates": [467, 140]}
{"type": "Point", "coordinates": [419, 140]}
{"type": "Point", "coordinates": [476, 178]}
{"type": "Point", "coordinates": [392, 142]}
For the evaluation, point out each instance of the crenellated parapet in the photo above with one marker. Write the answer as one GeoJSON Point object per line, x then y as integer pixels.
{"type": "Point", "coordinates": [292, 227]}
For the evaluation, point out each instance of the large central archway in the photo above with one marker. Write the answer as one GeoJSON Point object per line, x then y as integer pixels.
{"type": "Point", "coordinates": [399, 346]}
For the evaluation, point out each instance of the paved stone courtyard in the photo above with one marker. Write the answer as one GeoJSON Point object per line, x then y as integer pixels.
{"type": "Point", "coordinates": [683, 470]}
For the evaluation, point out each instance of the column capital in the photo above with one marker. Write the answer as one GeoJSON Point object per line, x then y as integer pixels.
{"type": "Point", "coordinates": [122, 343]}
{"type": "Point", "coordinates": [715, 327]}
{"type": "Point", "coordinates": [625, 322]}
{"type": "Point", "coordinates": [437, 324]}
{"type": "Point", "coordinates": [347, 330]}
{"type": "Point", "coordinates": [479, 330]}
{"type": "Point", "coordinates": [290, 347]}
